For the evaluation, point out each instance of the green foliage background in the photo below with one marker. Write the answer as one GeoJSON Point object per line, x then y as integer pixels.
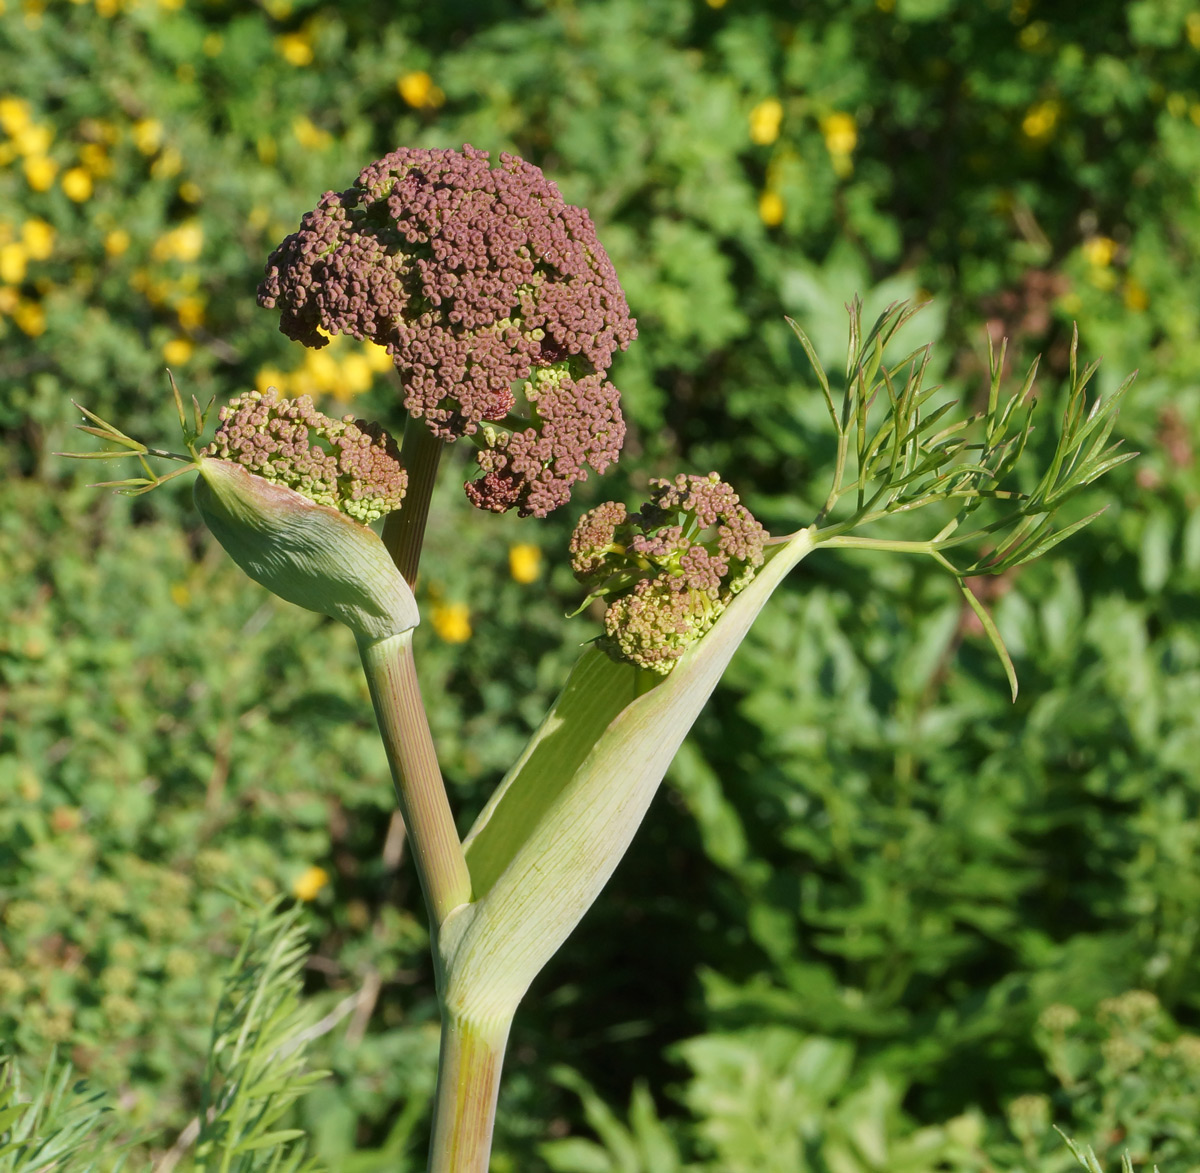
{"type": "Point", "coordinates": [879, 918]}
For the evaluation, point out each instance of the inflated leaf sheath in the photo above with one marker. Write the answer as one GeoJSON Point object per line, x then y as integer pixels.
{"type": "Point", "coordinates": [308, 554]}
{"type": "Point", "coordinates": [561, 820]}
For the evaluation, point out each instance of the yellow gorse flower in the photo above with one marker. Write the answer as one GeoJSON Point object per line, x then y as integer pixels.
{"type": "Point", "coordinates": [33, 139]}
{"type": "Point", "coordinates": [1099, 251]}
{"type": "Point", "coordinates": [771, 208]}
{"type": "Point", "coordinates": [308, 884]}
{"type": "Point", "coordinates": [524, 562]}
{"type": "Point", "coordinates": [840, 132]}
{"type": "Point", "coordinates": [295, 48]}
{"type": "Point", "coordinates": [38, 238]}
{"type": "Point", "coordinates": [452, 622]}
{"type": "Point", "coordinates": [177, 351]}
{"type": "Point", "coordinates": [1040, 120]}
{"type": "Point", "coordinates": [12, 263]}
{"type": "Point", "coordinates": [765, 120]}
{"type": "Point", "coordinates": [77, 185]}
{"type": "Point", "coordinates": [310, 136]}
{"type": "Point", "coordinates": [116, 242]}
{"type": "Point", "coordinates": [15, 114]}
{"type": "Point", "coordinates": [147, 135]}
{"type": "Point", "coordinates": [418, 90]}
{"type": "Point", "coordinates": [30, 318]}
{"type": "Point", "coordinates": [183, 243]}
{"type": "Point", "coordinates": [40, 172]}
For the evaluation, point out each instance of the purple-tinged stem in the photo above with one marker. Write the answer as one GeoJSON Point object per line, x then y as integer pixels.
{"type": "Point", "coordinates": [404, 530]}
{"type": "Point", "coordinates": [400, 712]}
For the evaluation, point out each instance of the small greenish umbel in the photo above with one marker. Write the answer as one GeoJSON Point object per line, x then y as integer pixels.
{"type": "Point", "coordinates": [348, 464]}
{"type": "Point", "coordinates": [669, 570]}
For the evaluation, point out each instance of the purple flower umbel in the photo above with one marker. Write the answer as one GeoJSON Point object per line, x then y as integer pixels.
{"type": "Point", "coordinates": [484, 286]}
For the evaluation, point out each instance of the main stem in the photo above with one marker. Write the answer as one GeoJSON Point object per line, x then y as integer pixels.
{"type": "Point", "coordinates": [437, 852]}
{"type": "Point", "coordinates": [471, 1054]}
{"type": "Point", "coordinates": [468, 1083]}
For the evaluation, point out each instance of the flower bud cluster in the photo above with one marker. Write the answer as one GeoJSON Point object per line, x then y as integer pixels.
{"type": "Point", "coordinates": [668, 571]}
{"type": "Point", "coordinates": [351, 465]}
{"type": "Point", "coordinates": [477, 280]}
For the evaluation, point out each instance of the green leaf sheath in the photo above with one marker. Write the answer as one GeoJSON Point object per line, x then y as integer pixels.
{"type": "Point", "coordinates": [546, 844]}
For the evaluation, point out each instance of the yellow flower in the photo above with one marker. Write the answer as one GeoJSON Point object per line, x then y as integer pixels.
{"type": "Point", "coordinates": [171, 5]}
{"type": "Point", "coordinates": [771, 208]}
{"type": "Point", "coordinates": [180, 595]}
{"type": "Point", "coordinates": [1193, 29]}
{"type": "Point", "coordinates": [40, 172]}
{"type": "Point", "coordinates": [310, 137]}
{"type": "Point", "coordinates": [764, 121]}
{"type": "Point", "coordinates": [95, 158]}
{"type": "Point", "coordinates": [15, 114]}
{"type": "Point", "coordinates": [77, 184]}
{"type": "Point", "coordinates": [840, 131]}
{"type": "Point", "coordinates": [452, 622]}
{"type": "Point", "coordinates": [167, 164]}
{"type": "Point", "coordinates": [184, 242]}
{"type": "Point", "coordinates": [1040, 120]}
{"type": "Point", "coordinates": [12, 263]}
{"type": "Point", "coordinates": [116, 242]}
{"type": "Point", "coordinates": [191, 312]}
{"type": "Point", "coordinates": [322, 369]}
{"type": "Point", "coordinates": [418, 90]}
{"type": "Point", "coordinates": [524, 562]}
{"type": "Point", "coordinates": [213, 44]}
{"type": "Point", "coordinates": [1099, 251]}
{"type": "Point", "coordinates": [190, 192]}
{"type": "Point", "coordinates": [268, 377]}
{"type": "Point", "coordinates": [108, 7]}
{"type": "Point", "coordinates": [147, 135]}
{"type": "Point", "coordinates": [377, 357]}
{"type": "Point", "coordinates": [295, 48]}
{"type": "Point", "coordinates": [9, 298]}
{"type": "Point", "coordinates": [177, 351]}
{"type": "Point", "coordinates": [1136, 297]}
{"type": "Point", "coordinates": [308, 884]}
{"type": "Point", "coordinates": [30, 318]}
{"type": "Point", "coordinates": [356, 375]}
{"type": "Point", "coordinates": [716, 3]}
{"type": "Point", "coordinates": [33, 139]}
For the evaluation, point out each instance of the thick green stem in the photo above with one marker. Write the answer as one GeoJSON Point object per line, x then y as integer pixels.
{"type": "Point", "coordinates": [396, 695]}
{"type": "Point", "coordinates": [467, 1086]}
{"type": "Point", "coordinates": [404, 530]}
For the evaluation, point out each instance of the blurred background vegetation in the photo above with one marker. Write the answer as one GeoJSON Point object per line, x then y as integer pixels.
{"type": "Point", "coordinates": [880, 918]}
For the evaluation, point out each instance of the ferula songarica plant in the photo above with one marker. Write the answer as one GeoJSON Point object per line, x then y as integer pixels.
{"type": "Point", "coordinates": [502, 312]}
